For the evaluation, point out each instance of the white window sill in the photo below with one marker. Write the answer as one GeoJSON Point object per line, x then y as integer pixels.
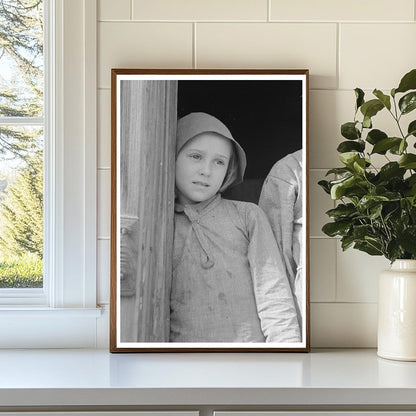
{"type": "Point", "coordinates": [36, 312]}
{"type": "Point", "coordinates": [40, 327]}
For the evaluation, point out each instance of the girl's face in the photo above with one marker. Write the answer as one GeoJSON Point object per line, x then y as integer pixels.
{"type": "Point", "coordinates": [201, 167]}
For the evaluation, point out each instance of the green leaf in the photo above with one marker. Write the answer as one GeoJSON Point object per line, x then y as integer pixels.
{"type": "Point", "coordinates": [391, 170]}
{"type": "Point", "coordinates": [411, 130]}
{"type": "Point", "coordinates": [375, 211]}
{"type": "Point", "coordinates": [408, 82]}
{"type": "Point", "coordinates": [350, 146]}
{"type": "Point", "coordinates": [338, 171]}
{"type": "Point", "coordinates": [393, 250]}
{"type": "Point", "coordinates": [350, 131]}
{"type": "Point", "coordinates": [367, 122]}
{"type": "Point", "coordinates": [338, 189]}
{"type": "Point", "coordinates": [374, 242]}
{"type": "Point", "coordinates": [375, 136]}
{"type": "Point", "coordinates": [348, 158]}
{"type": "Point", "coordinates": [371, 108]}
{"type": "Point", "coordinates": [340, 180]}
{"type": "Point", "coordinates": [346, 242]}
{"type": "Point", "coordinates": [359, 95]}
{"type": "Point", "coordinates": [408, 161]}
{"type": "Point", "coordinates": [342, 211]}
{"type": "Point", "coordinates": [369, 201]}
{"type": "Point", "coordinates": [399, 148]}
{"type": "Point", "coordinates": [383, 145]}
{"type": "Point", "coordinates": [349, 187]}
{"type": "Point", "coordinates": [368, 248]}
{"type": "Point", "coordinates": [392, 196]}
{"type": "Point", "coordinates": [412, 202]}
{"type": "Point", "coordinates": [407, 240]}
{"type": "Point", "coordinates": [402, 147]}
{"type": "Point", "coordinates": [411, 183]}
{"type": "Point", "coordinates": [325, 186]}
{"type": "Point", "coordinates": [408, 102]}
{"type": "Point", "coordinates": [359, 166]}
{"type": "Point", "coordinates": [391, 212]}
{"type": "Point", "coordinates": [413, 211]}
{"type": "Point", "coordinates": [385, 99]}
{"type": "Point", "coordinates": [380, 189]}
{"type": "Point", "coordinates": [360, 231]}
{"type": "Point", "coordinates": [333, 229]}
{"type": "Point", "coordinates": [411, 180]}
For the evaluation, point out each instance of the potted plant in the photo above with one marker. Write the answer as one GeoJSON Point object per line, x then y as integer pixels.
{"type": "Point", "coordinates": [376, 210]}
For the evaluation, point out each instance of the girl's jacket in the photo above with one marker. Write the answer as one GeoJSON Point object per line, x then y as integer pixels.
{"type": "Point", "coordinates": [229, 281]}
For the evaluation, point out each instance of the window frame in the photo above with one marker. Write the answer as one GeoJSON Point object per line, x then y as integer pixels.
{"type": "Point", "coordinates": [33, 296]}
{"type": "Point", "coordinates": [66, 306]}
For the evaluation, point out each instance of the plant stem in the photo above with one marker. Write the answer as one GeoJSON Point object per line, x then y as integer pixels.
{"type": "Point", "coordinates": [385, 228]}
{"type": "Point", "coordinates": [397, 118]}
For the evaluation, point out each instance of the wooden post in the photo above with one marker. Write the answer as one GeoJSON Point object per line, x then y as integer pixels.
{"type": "Point", "coordinates": [147, 157]}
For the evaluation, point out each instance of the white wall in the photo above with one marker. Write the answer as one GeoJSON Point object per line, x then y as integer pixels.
{"type": "Point", "coordinates": [345, 44]}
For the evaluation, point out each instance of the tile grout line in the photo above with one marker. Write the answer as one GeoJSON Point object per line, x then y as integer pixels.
{"type": "Point", "coordinates": [194, 62]}
{"type": "Point", "coordinates": [336, 270]}
{"type": "Point", "coordinates": [269, 11]}
{"type": "Point", "coordinates": [323, 237]}
{"type": "Point", "coordinates": [318, 169]}
{"type": "Point", "coordinates": [131, 10]}
{"type": "Point", "coordinates": [338, 64]}
{"type": "Point", "coordinates": [352, 302]}
{"type": "Point", "coordinates": [307, 22]}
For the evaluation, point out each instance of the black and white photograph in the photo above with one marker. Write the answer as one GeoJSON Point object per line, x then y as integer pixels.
{"type": "Point", "coordinates": [209, 211]}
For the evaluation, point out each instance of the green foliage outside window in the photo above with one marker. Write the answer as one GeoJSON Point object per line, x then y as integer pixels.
{"type": "Point", "coordinates": [21, 146]}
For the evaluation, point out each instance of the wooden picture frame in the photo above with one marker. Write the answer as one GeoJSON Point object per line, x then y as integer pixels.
{"type": "Point", "coordinates": [266, 112]}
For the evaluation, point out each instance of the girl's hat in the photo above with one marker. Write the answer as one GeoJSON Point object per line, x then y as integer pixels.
{"type": "Point", "coordinates": [193, 124]}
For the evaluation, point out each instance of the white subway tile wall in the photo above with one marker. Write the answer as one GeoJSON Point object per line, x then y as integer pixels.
{"type": "Point", "coordinates": [114, 10]}
{"type": "Point", "coordinates": [319, 203]}
{"type": "Point", "coordinates": [323, 269]}
{"type": "Point", "coordinates": [104, 128]}
{"type": "Point", "coordinates": [355, 10]}
{"type": "Point", "coordinates": [328, 109]}
{"type": "Point", "coordinates": [201, 10]}
{"type": "Point", "coordinates": [338, 325]}
{"type": "Point", "coordinates": [104, 202]}
{"type": "Point", "coordinates": [142, 45]}
{"type": "Point", "coordinates": [344, 44]}
{"type": "Point", "coordinates": [375, 54]}
{"type": "Point", "coordinates": [357, 275]}
{"type": "Point", "coordinates": [270, 45]}
{"type": "Point", "coordinates": [103, 270]}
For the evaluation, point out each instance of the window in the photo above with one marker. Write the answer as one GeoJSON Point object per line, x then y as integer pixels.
{"type": "Point", "coordinates": [64, 313]}
{"type": "Point", "coordinates": [22, 129]}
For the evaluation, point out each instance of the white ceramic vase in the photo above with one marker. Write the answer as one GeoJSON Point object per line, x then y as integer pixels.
{"type": "Point", "coordinates": [397, 312]}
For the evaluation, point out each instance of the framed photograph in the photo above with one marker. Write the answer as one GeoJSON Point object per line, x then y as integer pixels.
{"type": "Point", "coordinates": [209, 211]}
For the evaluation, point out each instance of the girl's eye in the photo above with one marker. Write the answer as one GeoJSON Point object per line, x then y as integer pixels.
{"type": "Point", "coordinates": [220, 162]}
{"type": "Point", "coordinates": [195, 156]}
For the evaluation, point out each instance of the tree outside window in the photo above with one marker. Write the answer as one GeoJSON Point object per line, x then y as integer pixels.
{"type": "Point", "coordinates": [21, 143]}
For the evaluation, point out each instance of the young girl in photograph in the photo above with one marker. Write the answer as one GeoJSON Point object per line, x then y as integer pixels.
{"type": "Point", "coordinates": [229, 282]}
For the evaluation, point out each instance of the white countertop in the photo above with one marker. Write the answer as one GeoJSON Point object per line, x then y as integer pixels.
{"type": "Point", "coordinates": [96, 377]}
